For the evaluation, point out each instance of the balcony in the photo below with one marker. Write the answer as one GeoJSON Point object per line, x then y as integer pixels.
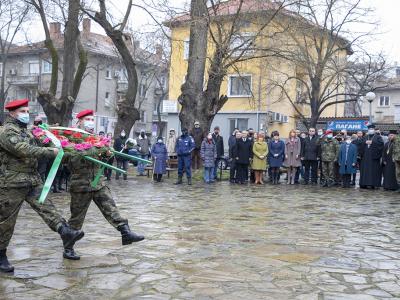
{"type": "Point", "coordinates": [122, 87]}
{"type": "Point", "coordinates": [23, 80]}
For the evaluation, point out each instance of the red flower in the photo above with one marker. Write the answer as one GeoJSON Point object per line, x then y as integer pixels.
{"type": "Point", "coordinates": [55, 132]}
{"type": "Point", "coordinates": [68, 132]}
{"type": "Point", "coordinates": [77, 135]}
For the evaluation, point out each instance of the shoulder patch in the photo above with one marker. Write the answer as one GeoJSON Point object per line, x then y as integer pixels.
{"type": "Point", "coordinates": [14, 140]}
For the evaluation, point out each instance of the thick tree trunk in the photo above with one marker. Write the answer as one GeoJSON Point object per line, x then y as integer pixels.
{"type": "Point", "coordinates": [2, 90]}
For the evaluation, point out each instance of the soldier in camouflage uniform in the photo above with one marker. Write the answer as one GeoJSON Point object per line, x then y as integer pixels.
{"type": "Point", "coordinates": [20, 181]}
{"type": "Point", "coordinates": [82, 193]}
{"type": "Point", "coordinates": [396, 156]}
{"type": "Point", "coordinates": [329, 155]}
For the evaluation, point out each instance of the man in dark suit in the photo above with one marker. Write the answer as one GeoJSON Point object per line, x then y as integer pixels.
{"type": "Point", "coordinates": [309, 156]}
{"type": "Point", "coordinates": [219, 143]}
{"type": "Point", "coordinates": [243, 154]}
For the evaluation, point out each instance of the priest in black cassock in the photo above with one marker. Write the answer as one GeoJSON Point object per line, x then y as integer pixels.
{"type": "Point", "coordinates": [371, 154]}
{"type": "Point", "coordinates": [389, 168]}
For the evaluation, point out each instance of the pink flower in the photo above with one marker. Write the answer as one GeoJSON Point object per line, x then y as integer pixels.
{"type": "Point", "coordinates": [79, 147]}
{"type": "Point", "coordinates": [64, 143]}
{"type": "Point", "coordinates": [37, 132]}
{"type": "Point", "coordinates": [46, 141]}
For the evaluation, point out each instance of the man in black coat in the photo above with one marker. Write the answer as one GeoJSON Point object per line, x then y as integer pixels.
{"type": "Point", "coordinates": [389, 167]}
{"type": "Point", "coordinates": [232, 158]}
{"type": "Point", "coordinates": [243, 154]}
{"type": "Point", "coordinates": [198, 137]}
{"type": "Point", "coordinates": [359, 142]}
{"type": "Point", "coordinates": [371, 154]}
{"type": "Point", "coordinates": [119, 145]}
{"type": "Point", "coordinates": [219, 143]}
{"type": "Point", "coordinates": [309, 155]}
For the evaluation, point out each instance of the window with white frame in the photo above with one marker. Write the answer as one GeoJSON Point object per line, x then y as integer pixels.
{"type": "Point", "coordinates": [107, 100]}
{"type": "Point", "coordinates": [242, 44]}
{"type": "Point", "coordinates": [186, 49]}
{"type": "Point", "coordinates": [239, 86]}
{"type": "Point", "coordinates": [108, 73]}
{"type": "Point", "coordinates": [46, 67]}
{"type": "Point", "coordinates": [240, 123]}
{"type": "Point", "coordinates": [34, 67]}
{"type": "Point", "coordinates": [142, 90]}
{"type": "Point", "coordinates": [123, 75]}
{"type": "Point", "coordinates": [384, 101]}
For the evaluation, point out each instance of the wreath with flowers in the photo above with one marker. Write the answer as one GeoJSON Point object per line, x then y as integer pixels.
{"type": "Point", "coordinates": [74, 142]}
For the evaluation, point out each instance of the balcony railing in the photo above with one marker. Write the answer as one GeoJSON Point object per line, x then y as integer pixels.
{"type": "Point", "coordinates": [23, 79]}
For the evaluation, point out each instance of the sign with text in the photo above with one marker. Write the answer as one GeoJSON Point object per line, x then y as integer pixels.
{"type": "Point", "coordinates": [350, 125]}
{"type": "Point", "coordinates": [170, 106]}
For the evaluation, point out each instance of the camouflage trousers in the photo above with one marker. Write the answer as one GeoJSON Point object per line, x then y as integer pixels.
{"type": "Point", "coordinates": [328, 170]}
{"type": "Point", "coordinates": [80, 202]}
{"type": "Point", "coordinates": [11, 200]}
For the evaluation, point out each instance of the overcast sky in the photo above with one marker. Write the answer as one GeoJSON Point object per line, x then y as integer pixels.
{"type": "Point", "coordinates": [387, 13]}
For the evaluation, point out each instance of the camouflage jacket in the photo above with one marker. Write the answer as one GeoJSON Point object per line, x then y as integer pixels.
{"type": "Point", "coordinates": [19, 153]}
{"type": "Point", "coordinates": [396, 149]}
{"type": "Point", "coordinates": [83, 173]}
{"type": "Point", "coordinates": [329, 149]}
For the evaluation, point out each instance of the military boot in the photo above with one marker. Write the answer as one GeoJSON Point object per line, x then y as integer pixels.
{"type": "Point", "coordinates": [128, 236]}
{"type": "Point", "coordinates": [69, 236]}
{"type": "Point", "coordinates": [5, 265]}
{"type": "Point", "coordinates": [189, 181]}
{"type": "Point", "coordinates": [179, 181]}
{"type": "Point", "coordinates": [69, 253]}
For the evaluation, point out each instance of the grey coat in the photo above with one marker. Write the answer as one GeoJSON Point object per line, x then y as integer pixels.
{"type": "Point", "coordinates": [208, 153]}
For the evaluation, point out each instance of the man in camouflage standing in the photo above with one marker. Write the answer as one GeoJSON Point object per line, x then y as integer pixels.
{"type": "Point", "coordinates": [329, 155]}
{"type": "Point", "coordinates": [20, 180]}
{"type": "Point", "coordinates": [396, 156]}
{"type": "Point", "coordinates": [82, 193]}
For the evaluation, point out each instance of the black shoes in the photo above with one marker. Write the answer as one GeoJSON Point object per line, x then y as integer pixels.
{"type": "Point", "coordinates": [69, 236]}
{"type": "Point", "coordinates": [179, 181]}
{"type": "Point", "coordinates": [128, 236]}
{"type": "Point", "coordinates": [189, 181]}
{"type": "Point", "coordinates": [69, 253]}
{"type": "Point", "coordinates": [5, 266]}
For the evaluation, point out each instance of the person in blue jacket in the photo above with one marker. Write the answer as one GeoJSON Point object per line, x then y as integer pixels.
{"type": "Point", "coordinates": [276, 155]}
{"type": "Point", "coordinates": [184, 147]}
{"type": "Point", "coordinates": [347, 161]}
{"type": "Point", "coordinates": [159, 155]}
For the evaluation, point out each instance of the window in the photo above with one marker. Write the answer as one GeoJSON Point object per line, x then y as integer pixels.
{"type": "Point", "coordinates": [107, 100]}
{"type": "Point", "coordinates": [384, 101]}
{"type": "Point", "coordinates": [46, 67]}
{"type": "Point", "coordinates": [242, 44]}
{"type": "Point", "coordinates": [122, 75]}
{"type": "Point", "coordinates": [142, 90]}
{"type": "Point", "coordinates": [241, 124]}
{"type": "Point", "coordinates": [1, 69]}
{"type": "Point", "coordinates": [186, 49]}
{"type": "Point", "coordinates": [108, 73]}
{"type": "Point", "coordinates": [239, 86]}
{"type": "Point", "coordinates": [34, 67]}
{"type": "Point", "coordinates": [142, 116]}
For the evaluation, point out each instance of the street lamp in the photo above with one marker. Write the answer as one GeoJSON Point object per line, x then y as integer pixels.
{"type": "Point", "coordinates": [370, 96]}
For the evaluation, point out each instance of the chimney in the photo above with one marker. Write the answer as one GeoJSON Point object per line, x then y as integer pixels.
{"type": "Point", "coordinates": [159, 51]}
{"type": "Point", "coordinates": [86, 25]}
{"type": "Point", "coordinates": [55, 30]}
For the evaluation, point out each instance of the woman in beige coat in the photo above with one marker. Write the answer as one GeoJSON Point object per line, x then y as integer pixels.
{"type": "Point", "coordinates": [292, 156]}
{"type": "Point", "coordinates": [259, 164]}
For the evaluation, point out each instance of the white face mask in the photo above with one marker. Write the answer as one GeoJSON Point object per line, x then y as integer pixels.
{"type": "Point", "coordinates": [89, 125]}
{"type": "Point", "coordinates": [329, 136]}
{"type": "Point", "coordinates": [23, 117]}
{"type": "Point", "coordinates": [348, 141]}
{"type": "Point", "coordinates": [371, 131]}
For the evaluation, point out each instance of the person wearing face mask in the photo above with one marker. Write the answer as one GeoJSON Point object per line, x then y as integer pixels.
{"type": "Point", "coordinates": [219, 143]}
{"type": "Point", "coordinates": [243, 153]}
{"type": "Point", "coordinates": [347, 161]}
{"type": "Point", "coordinates": [198, 136]}
{"type": "Point", "coordinates": [329, 155]}
{"type": "Point", "coordinates": [309, 156]}
{"type": "Point", "coordinates": [144, 151]}
{"type": "Point", "coordinates": [389, 167]}
{"type": "Point", "coordinates": [359, 142]}
{"type": "Point", "coordinates": [20, 181]}
{"type": "Point", "coordinates": [171, 143]}
{"type": "Point", "coordinates": [371, 154]}
{"type": "Point", "coordinates": [259, 163]}
{"type": "Point", "coordinates": [208, 154]}
{"type": "Point", "coordinates": [184, 148]}
{"type": "Point", "coordinates": [159, 156]}
{"type": "Point", "coordinates": [232, 167]}
{"type": "Point", "coordinates": [119, 145]}
{"type": "Point", "coordinates": [292, 156]}
{"type": "Point", "coordinates": [83, 193]}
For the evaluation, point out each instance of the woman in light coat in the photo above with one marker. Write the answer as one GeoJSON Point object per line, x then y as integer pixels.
{"type": "Point", "coordinates": [259, 164]}
{"type": "Point", "coordinates": [208, 154]}
{"type": "Point", "coordinates": [292, 156]}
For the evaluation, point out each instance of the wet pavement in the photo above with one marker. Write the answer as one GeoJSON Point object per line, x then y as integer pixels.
{"type": "Point", "coordinates": [218, 242]}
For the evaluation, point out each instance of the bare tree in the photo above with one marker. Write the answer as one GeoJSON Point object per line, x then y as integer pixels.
{"type": "Point", "coordinates": [59, 110]}
{"type": "Point", "coordinates": [221, 23]}
{"type": "Point", "coordinates": [317, 43]}
{"type": "Point", "coordinates": [127, 110]}
{"type": "Point", "coordinates": [13, 14]}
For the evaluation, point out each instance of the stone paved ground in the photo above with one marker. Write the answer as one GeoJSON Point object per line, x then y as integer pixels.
{"type": "Point", "coordinates": [219, 242]}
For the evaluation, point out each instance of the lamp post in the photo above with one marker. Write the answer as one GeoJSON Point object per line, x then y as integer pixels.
{"type": "Point", "coordinates": [370, 96]}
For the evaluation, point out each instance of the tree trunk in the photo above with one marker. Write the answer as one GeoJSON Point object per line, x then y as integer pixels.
{"type": "Point", "coordinates": [3, 93]}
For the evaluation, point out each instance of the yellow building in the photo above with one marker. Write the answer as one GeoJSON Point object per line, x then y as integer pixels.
{"type": "Point", "coordinates": [254, 101]}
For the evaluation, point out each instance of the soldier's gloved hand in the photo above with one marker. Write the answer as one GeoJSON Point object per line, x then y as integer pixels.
{"type": "Point", "coordinates": [55, 150]}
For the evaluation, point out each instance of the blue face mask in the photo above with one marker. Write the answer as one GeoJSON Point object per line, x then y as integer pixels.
{"type": "Point", "coordinates": [23, 118]}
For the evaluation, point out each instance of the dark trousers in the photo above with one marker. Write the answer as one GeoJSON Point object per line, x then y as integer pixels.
{"type": "Point", "coordinates": [242, 172]}
{"type": "Point", "coordinates": [122, 164]}
{"type": "Point", "coordinates": [232, 171]}
{"type": "Point", "coordinates": [196, 159]}
{"type": "Point", "coordinates": [184, 163]}
{"type": "Point", "coordinates": [310, 170]}
{"type": "Point", "coordinates": [346, 179]}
